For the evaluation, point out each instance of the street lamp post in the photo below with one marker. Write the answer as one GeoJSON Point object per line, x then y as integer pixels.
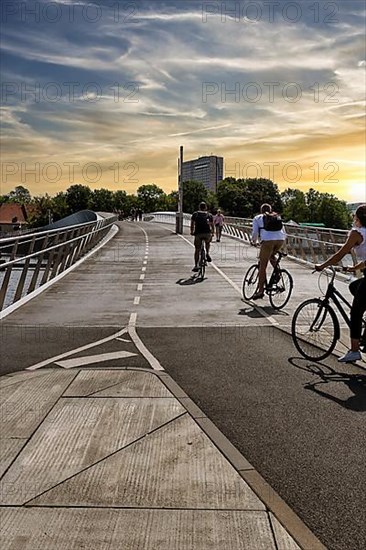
{"type": "Point", "coordinates": [179, 215]}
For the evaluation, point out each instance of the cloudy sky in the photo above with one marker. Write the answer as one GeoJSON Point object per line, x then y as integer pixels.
{"type": "Point", "coordinates": [103, 92]}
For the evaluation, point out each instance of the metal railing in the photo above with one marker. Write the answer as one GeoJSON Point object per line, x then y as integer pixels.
{"type": "Point", "coordinates": [308, 244]}
{"type": "Point", "coordinates": [30, 260]}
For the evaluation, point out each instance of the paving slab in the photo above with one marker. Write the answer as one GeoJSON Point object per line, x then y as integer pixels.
{"type": "Point", "coordinates": [23, 376]}
{"type": "Point", "coordinates": [102, 529]}
{"type": "Point", "coordinates": [24, 404]}
{"type": "Point", "coordinates": [9, 448]}
{"type": "Point", "coordinates": [78, 433]}
{"type": "Point", "coordinates": [121, 383]}
{"type": "Point", "coordinates": [177, 466]}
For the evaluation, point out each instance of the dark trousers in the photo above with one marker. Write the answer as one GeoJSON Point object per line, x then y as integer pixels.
{"type": "Point", "coordinates": [358, 289]}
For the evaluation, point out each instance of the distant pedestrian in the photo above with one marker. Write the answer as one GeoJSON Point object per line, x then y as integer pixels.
{"type": "Point", "coordinates": [139, 213]}
{"type": "Point", "coordinates": [218, 223]}
{"type": "Point", "coordinates": [133, 214]}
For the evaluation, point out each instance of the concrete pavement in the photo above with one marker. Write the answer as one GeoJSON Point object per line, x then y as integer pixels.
{"type": "Point", "coordinates": [123, 459]}
{"type": "Point", "coordinates": [93, 426]}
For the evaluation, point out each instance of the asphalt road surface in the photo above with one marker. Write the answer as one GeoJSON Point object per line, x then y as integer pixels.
{"type": "Point", "coordinates": [302, 425]}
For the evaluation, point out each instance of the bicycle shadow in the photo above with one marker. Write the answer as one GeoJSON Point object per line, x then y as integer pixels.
{"type": "Point", "coordinates": [356, 383]}
{"type": "Point", "coordinates": [253, 312]}
{"type": "Point", "coordinates": [194, 279]}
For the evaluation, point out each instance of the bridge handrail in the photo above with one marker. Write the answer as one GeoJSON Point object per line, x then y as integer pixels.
{"type": "Point", "coordinates": [58, 249]}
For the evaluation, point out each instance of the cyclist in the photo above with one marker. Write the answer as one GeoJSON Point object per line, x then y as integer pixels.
{"type": "Point", "coordinates": [357, 241]}
{"type": "Point", "coordinates": [202, 228]}
{"type": "Point", "coordinates": [271, 241]}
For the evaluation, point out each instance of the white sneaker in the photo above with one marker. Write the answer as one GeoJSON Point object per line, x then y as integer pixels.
{"type": "Point", "coordinates": [350, 356]}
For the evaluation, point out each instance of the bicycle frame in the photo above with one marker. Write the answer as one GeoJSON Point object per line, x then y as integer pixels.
{"type": "Point", "coordinates": [202, 260]}
{"type": "Point", "coordinates": [332, 294]}
{"type": "Point", "coordinates": [274, 272]}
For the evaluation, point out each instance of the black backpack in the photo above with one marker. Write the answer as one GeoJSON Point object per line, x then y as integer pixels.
{"type": "Point", "coordinates": [272, 221]}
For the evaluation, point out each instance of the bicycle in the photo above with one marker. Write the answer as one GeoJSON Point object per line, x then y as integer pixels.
{"type": "Point", "coordinates": [202, 262]}
{"type": "Point", "coordinates": [315, 326]}
{"type": "Point", "coordinates": [278, 288]}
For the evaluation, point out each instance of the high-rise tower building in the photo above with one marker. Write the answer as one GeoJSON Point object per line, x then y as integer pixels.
{"type": "Point", "coordinates": [208, 170]}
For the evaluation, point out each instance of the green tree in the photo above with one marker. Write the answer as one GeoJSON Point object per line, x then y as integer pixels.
{"type": "Point", "coordinates": [120, 201]}
{"type": "Point", "coordinates": [78, 197]}
{"type": "Point", "coordinates": [150, 197]}
{"type": "Point", "coordinates": [243, 197]}
{"type": "Point", "coordinates": [60, 208]}
{"type": "Point", "coordinates": [212, 201]}
{"type": "Point", "coordinates": [194, 192]}
{"type": "Point", "coordinates": [228, 196]}
{"type": "Point", "coordinates": [171, 202]}
{"type": "Point", "coordinates": [313, 201]}
{"type": "Point", "coordinates": [333, 212]}
{"type": "Point", "coordinates": [41, 213]}
{"type": "Point", "coordinates": [315, 207]}
{"type": "Point", "coordinates": [131, 202]}
{"type": "Point", "coordinates": [294, 205]}
{"type": "Point", "coordinates": [262, 190]}
{"type": "Point", "coordinates": [20, 195]}
{"type": "Point", "coordinates": [102, 200]}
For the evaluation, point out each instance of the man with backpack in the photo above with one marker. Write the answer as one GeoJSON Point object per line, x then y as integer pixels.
{"type": "Point", "coordinates": [203, 229]}
{"type": "Point", "coordinates": [268, 229]}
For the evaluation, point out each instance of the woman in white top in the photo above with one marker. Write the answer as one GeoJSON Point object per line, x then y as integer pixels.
{"type": "Point", "coordinates": [218, 222]}
{"type": "Point", "coordinates": [357, 241]}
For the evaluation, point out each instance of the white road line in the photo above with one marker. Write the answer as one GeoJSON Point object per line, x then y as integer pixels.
{"type": "Point", "coordinates": [142, 277]}
{"type": "Point", "coordinates": [144, 262]}
{"type": "Point", "coordinates": [132, 321]}
{"type": "Point", "coordinates": [77, 350]}
{"type": "Point", "coordinates": [123, 340]}
{"type": "Point", "coordinates": [90, 359]}
{"type": "Point", "coordinates": [139, 287]}
{"type": "Point", "coordinates": [136, 301]}
{"type": "Point", "coordinates": [143, 269]}
{"type": "Point", "coordinates": [143, 349]}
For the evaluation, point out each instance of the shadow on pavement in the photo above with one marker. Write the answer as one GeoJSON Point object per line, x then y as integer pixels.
{"type": "Point", "coordinates": [355, 382]}
{"type": "Point", "coordinates": [255, 314]}
{"type": "Point", "coordinates": [190, 281]}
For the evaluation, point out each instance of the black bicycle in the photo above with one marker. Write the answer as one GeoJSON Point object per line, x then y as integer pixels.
{"type": "Point", "coordinates": [278, 288]}
{"type": "Point", "coordinates": [315, 326]}
{"type": "Point", "coordinates": [202, 262]}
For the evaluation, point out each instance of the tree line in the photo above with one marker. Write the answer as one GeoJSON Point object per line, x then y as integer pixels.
{"type": "Point", "coordinates": [236, 197]}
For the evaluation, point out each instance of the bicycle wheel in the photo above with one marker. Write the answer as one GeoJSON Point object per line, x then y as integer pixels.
{"type": "Point", "coordinates": [202, 264]}
{"type": "Point", "coordinates": [315, 329]}
{"type": "Point", "coordinates": [250, 282]}
{"type": "Point", "coordinates": [282, 290]}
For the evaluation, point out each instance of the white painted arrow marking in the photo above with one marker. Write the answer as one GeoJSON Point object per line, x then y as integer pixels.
{"type": "Point", "coordinates": [90, 359]}
{"type": "Point", "coordinates": [78, 350]}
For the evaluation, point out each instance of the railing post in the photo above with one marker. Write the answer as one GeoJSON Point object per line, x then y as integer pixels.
{"type": "Point", "coordinates": [20, 286]}
{"type": "Point", "coordinates": [5, 283]}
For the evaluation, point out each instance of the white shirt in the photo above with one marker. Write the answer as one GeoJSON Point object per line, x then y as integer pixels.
{"type": "Point", "coordinates": [361, 248]}
{"type": "Point", "coordinates": [259, 231]}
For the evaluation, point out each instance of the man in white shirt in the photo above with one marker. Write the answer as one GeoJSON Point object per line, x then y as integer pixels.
{"type": "Point", "coordinates": [271, 240]}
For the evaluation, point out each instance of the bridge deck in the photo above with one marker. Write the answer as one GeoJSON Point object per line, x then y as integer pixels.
{"type": "Point", "coordinates": [135, 297]}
